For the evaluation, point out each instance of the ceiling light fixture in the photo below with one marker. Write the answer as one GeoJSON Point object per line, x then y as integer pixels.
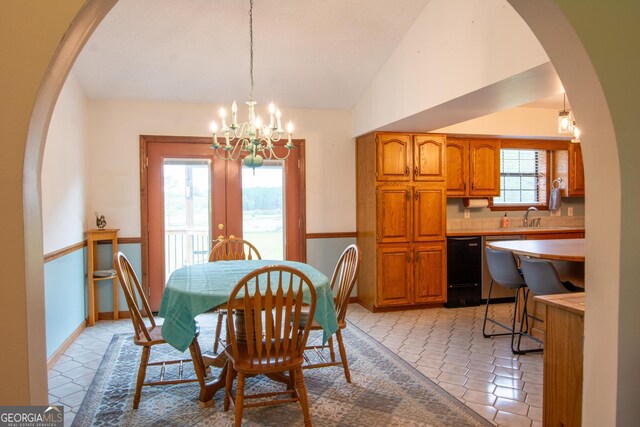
{"type": "Point", "coordinates": [565, 118]}
{"type": "Point", "coordinates": [252, 137]}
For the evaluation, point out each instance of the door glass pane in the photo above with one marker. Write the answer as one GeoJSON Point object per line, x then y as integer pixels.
{"type": "Point", "coordinates": [187, 207]}
{"type": "Point", "coordinates": [263, 208]}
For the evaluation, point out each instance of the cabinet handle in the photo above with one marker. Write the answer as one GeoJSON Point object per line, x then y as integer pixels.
{"type": "Point", "coordinates": [406, 171]}
{"type": "Point", "coordinates": [415, 172]}
{"type": "Point", "coordinates": [464, 187]}
{"type": "Point", "coordinates": [415, 195]}
{"type": "Point", "coordinates": [408, 257]}
{"type": "Point", "coordinates": [408, 196]}
{"type": "Point", "coordinates": [473, 185]}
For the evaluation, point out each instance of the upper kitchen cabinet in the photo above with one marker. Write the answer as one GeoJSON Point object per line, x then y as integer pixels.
{"type": "Point", "coordinates": [568, 165]}
{"type": "Point", "coordinates": [429, 157]}
{"type": "Point", "coordinates": [457, 167]}
{"type": "Point", "coordinates": [473, 167]}
{"type": "Point", "coordinates": [393, 157]}
{"type": "Point", "coordinates": [406, 157]}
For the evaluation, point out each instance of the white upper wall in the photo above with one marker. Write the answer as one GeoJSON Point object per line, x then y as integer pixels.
{"type": "Point", "coordinates": [115, 128]}
{"type": "Point", "coordinates": [455, 47]}
{"type": "Point", "coordinates": [515, 122]}
{"type": "Point", "coordinates": [64, 170]}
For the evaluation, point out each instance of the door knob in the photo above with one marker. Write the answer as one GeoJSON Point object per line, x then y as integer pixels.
{"type": "Point", "coordinates": [220, 226]}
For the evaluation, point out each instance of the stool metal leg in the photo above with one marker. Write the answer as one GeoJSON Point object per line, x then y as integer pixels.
{"type": "Point", "coordinates": [487, 318]}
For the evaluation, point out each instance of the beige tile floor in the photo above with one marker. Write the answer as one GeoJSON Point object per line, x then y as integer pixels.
{"type": "Point", "coordinates": [446, 345]}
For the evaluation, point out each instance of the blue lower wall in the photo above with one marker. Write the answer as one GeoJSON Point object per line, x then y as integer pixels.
{"type": "Point", "coordinates": [65, 291]}
{"type": "Point", "coordinates": [64, 294]}
{"type": "Point", "coordinates": [65, 280]}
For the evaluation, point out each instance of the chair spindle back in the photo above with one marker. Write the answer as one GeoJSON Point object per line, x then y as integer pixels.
{"type": "Point", "coordinates": [133, 293]}
{"type": "Point", "coordinates": [344, 277]}
{"type": "Point", "coordinates": [271, 299]}
{"type": "Point", "coordinates": [233, 248]}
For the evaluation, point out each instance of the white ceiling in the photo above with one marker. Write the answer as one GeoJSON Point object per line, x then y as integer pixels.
{"type": "Point", "coordinates": [308, 54]}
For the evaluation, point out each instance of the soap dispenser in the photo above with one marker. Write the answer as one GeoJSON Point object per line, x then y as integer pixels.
{"type": "Point", "coordinates": [505, 221]}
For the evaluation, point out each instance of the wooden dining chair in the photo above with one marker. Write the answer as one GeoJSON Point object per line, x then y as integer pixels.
{"type": "Point", "coordinates": [148, 334]}
{"type": "Point", "coordinates": [230, 249]}
{"type": "Point", "coordinates": [270, 337]}
{"type": "Point", "coordinates": [343, 279]}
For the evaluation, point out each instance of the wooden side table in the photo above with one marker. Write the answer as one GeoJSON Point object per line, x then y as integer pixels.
{"type": "Point", "coordinates": [93, 237]}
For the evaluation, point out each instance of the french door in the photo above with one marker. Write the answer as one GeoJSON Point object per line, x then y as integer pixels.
{"type": "Point", "coordinates": [190, 198]}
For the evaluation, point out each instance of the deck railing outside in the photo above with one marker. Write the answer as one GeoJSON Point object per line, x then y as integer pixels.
{"type": "Point", "coordinates": [185, 247]}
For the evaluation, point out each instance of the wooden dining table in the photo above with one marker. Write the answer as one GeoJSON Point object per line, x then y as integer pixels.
{"type": "Point", "coordinates": [198, 288]}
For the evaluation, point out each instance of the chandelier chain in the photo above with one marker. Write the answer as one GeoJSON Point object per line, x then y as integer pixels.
{"type": "Point", "coordinates": [251, 48]}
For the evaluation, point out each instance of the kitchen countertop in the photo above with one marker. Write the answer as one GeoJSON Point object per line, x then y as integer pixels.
{"type": "Point", "coordinates": [571, 302]}
{"type": "Point", "coordinates": [512, 231]}
{"type": "Point", "coordinates": [555, 249]}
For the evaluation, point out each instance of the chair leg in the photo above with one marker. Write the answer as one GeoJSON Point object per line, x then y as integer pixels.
{"type": "Point", "coordinates": [142, 370]}
{"type": "Point", "coordinates": [218, 330]}
{"type": "Point", "coordinates": [239, 399]}
{"type": "Point", "coordinates": [331, 351]}
{"type": "Point", "coordinates": [302, 393]}
{"type": "Point", "coordinates": [292, 383]}
{"type": "Point", "coordinates": [343, 356]}
{"type": "Point", "coordinates": [486, 317]}
{"type": "Point", "coordinates": [228, 386]}
{"type": "Point", "coordinates": [196, 357]}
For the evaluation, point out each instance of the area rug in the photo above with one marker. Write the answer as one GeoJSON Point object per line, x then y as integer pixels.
{"type": "Point", "coordinates": [385, 391]}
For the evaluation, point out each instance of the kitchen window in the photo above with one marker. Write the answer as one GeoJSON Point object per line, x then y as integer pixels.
{"type": "Point", "coordinates": [523, 178]}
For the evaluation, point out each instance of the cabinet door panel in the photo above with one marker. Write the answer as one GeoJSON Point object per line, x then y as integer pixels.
{"type": "Point", "coordinates": [394, 214]}
{"type": "Point", "coordinates": [457, 169]}
{"type": "Point", "coordinates": [393, 157]}
{"type": "Point", "coordinates": [429, 213]}
{"type": "Point", "coordinates": [429, 273]}
{"type": "Point", "coordinates": [429, 157]}
{"type": "Point", "coordinates": [484, 166]}
{"type": "Point", "coordinates": [576, 171]}
{"type": "Point", "coordinates": [394, 275]}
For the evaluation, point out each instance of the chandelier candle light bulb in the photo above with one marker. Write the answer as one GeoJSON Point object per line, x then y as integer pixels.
{"type": "Point", "coordinates": [251, 139]}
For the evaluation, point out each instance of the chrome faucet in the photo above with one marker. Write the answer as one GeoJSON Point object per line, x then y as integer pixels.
{"type": "Point", "coordinates": [525, 219]}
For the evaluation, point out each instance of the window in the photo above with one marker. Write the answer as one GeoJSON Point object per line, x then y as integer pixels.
{"type": "Point", "coordinates": [523, 178]}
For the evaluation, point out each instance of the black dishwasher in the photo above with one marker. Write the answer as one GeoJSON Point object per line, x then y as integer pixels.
{"type": "Point", "coordinates": [464, 271]}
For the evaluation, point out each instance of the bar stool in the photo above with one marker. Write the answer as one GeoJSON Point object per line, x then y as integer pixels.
{"type": "Point", "coordinates": [542, 278]}
{"type": "Point", "coordinates": [504, 272]}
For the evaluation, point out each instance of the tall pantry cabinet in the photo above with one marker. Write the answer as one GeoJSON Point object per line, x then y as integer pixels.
{"type": "Point", "coordinates": [401, 219]}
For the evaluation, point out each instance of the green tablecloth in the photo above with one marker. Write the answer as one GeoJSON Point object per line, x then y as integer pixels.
{"type": "Point", "coordinates": [194, 289]}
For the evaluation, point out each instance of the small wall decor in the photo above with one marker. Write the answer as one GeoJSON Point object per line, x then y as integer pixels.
{"type": "Point", "coordinates": [100, 221]}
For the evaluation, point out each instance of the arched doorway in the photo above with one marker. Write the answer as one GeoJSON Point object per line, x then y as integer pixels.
{"type": "Point", "coordinates": [590, 105]}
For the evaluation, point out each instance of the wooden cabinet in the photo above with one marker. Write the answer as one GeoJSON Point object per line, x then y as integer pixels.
{"type": "Point", "coordinates": [576, 171]}
{"type": "Point", "coordinates": [563, 359]}
{"type": "Point", "coordinates": [394, 278]}
{"type": "Point", "coordinates": [406, 157]}
{"type": "Point", "coordinates": [402, 232]}
{"type": "Point", "coordinates": [472, 167]}
{"type": "Point", "coordinates": [568, 165]}
{"type": "Point", "coordinates": [429, 272]}
{"type": "Point", "coordinates": [94, 278]}
{"type": "Point", "coordinates": [394, 214]}
{"type": "Point", "coordinates": [429, 213]}
{"type": "Point", "coordinates": [411, 274]}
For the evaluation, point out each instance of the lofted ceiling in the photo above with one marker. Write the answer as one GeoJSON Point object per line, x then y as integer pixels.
{"type": "Point", "coordinates": [307, 54]}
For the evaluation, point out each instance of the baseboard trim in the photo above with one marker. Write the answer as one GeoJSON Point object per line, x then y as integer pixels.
{"type": "Point", "coordinates": [375, 309]}
{"type": "Point", "coordinates": [65, 345]}
{"type": "Point", "coordinates": [108, 315]}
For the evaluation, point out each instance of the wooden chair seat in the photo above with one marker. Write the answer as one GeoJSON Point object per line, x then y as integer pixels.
{"type": "Point", "coordinates": [148, 333]}
{"type": "Point", "coordinates": [263, 361]}
{"type": "Point", "coordinates": [155, 336]}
